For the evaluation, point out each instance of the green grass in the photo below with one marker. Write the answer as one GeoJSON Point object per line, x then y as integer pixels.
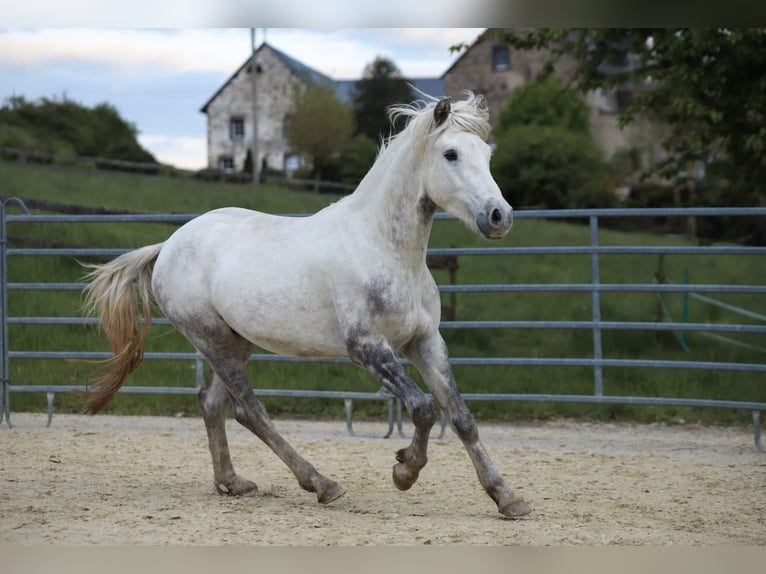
{"type": "Point", "coordinates": [164, 195]}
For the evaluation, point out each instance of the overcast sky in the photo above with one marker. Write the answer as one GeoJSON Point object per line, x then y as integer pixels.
{"type": "Point", "coordinates": [158, 79]}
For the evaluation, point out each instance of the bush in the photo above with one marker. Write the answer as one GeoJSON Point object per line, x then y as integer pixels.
{"type": "Point", "coordinates": [545, 102]}
{"type": "Point", "coordinates": [15, 136]}
{"type": "Point", "coordinates": [548, 167]}
{"type": "Point", "coordinates": [64, 127]}
{"type": "Point", "coordinates": [546, 156]}
{"type": "Point", "coordinates": [356, 158]}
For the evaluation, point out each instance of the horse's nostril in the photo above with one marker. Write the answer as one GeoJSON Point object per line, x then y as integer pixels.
{"type": "Point", "coordinates": [494, 220]}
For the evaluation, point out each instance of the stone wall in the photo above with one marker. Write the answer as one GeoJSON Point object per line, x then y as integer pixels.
{"type": "Point", "coordinates": [275, 88]}
{"type": "Point", "coordinates": [474, 71]}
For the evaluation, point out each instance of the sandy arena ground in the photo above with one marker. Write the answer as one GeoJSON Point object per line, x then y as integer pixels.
{"type": "Point", "coordinates": [148, 480]}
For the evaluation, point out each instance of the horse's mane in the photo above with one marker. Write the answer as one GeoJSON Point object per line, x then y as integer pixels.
{"type": "Point", "coordinates": [470, 114]}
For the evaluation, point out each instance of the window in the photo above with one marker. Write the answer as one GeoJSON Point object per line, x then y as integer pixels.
{"type": "Point", "coordinates": [292, 162]}
{"type": "Point", "coordinates": [226, 163]}
{"type": "Point", "coordinates": [501, 59]}
{"type": "Point", "coordinates": [237, 128]}
{"type": "Point", "coordinates": [287, 122]}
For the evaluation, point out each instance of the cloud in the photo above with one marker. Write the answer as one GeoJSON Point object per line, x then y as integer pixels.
{"type": "Point", "coordinates": [200, 13]}
{"type": "Point", "coordinates": [340, 53]}
{"type": "Point", "coordinates": [438, 35]}
{"type": "Point", "coordinates": [181, 152]}
{"type": "Point", "coordinates": [131, 51]}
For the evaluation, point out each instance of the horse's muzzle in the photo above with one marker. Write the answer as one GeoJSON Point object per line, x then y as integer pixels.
{"type": "Point", "coordinates": [495, 220]}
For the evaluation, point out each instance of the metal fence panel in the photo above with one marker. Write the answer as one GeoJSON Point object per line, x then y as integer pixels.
{"type": "Point", "coordinates": [596, 325]}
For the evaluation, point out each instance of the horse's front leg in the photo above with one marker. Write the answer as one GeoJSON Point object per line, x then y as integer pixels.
{"type": "Point", "coordinates": [377, 357]}
{"type": "Point", "coordinates": [429, 355]}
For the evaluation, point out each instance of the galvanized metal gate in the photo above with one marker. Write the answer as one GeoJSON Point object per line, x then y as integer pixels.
{"type": "Point", "coordinates": [596, 325]}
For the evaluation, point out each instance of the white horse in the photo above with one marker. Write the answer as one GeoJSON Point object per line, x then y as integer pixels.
{"type": "Point", "coordinates": [350, 280]}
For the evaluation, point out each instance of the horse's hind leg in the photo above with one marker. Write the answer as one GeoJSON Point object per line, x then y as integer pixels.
{"type": "Point", "coordinates": [222, 348]}
{"type": "Point", "coordinates": [214, 402]}
{"type": "Point", "coordinates": [251, 414]}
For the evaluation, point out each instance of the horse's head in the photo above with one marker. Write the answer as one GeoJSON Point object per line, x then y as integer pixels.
{"type": "Point", "coordinates": [456, 168]}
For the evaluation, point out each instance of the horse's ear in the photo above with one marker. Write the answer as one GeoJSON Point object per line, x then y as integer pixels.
{"type": "Point", "coordinates": [441, 111]}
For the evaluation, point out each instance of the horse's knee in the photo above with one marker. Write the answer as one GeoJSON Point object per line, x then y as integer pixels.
{"type": "Point", "coordinates": [212, 402]}
{"type": "Point", "coordinates": [422, 413]}
{"type": "Point", "coordinates": [249, 412]}
{"type": "Point", "coordinates": [241, 413]}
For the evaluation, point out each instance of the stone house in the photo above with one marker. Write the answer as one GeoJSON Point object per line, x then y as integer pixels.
{"type": "Point", "coordinates": [494, 69]}
{"type": "Point", "coordinates": [230, 111]}
{"type": "Point", "coordinates": [277, 77]}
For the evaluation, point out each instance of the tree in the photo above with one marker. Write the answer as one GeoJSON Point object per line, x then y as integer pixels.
{"type": "Point", "coordinates": [320, 125]}
{"type": "Point", "coordinates": [65, 126]}
{"type": "Point", "coordinates": [545, 154]}
{"type": "Point", "coordinates": [357, 156]}
{"type": "Point", "coordinates": [545, 102]}
{"type": "Point", "coordinates": [381, 86]}
{"type": "Point", "coordinates": [707, 85]}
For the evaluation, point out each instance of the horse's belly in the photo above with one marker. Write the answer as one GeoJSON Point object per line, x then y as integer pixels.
{"type": "Point", "coordinates": [282, 324]}
{"type": "Point", "coordinates": [296, 347]}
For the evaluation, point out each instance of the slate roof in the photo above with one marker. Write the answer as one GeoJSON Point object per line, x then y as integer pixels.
{"type": "Point", "coordinates": [430, 86]}
{"type": "Point", "coordinates": [306, 74]}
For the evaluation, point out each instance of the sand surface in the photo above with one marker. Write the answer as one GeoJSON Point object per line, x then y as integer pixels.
{"type": "Point", "coordinates": [148, 480]}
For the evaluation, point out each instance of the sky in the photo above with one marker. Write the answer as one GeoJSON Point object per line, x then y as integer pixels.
{"type": "Point", "coordinates": [158, 79]}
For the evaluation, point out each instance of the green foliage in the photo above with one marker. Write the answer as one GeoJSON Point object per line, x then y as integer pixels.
{"type": "Point", "coordinates": [320, 125]}
{"type": "Point", "coordinates": [707, 84]}
{"type": "Point", "coordinates": [546, 166]}
{"type": "Point", "coordinates": [66, 127]}
{"type": "Point", "coordinates": [545, 102]}
{"type": "Point", "coordinates": [356, 158]}
{"type": "Point", "coordinates": [381, 86]}
{"type": "Point", "coordinates": [351, 164]}
{"type": "Point", "coordinates": [545, 155]}
{"type": "Point", "coordinates": [16, 136]}
{"type": "Point", "coordinates": [247, 167]}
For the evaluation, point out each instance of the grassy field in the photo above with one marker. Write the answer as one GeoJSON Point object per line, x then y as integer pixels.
{"type": "Point", "coordinates": [163, 195]}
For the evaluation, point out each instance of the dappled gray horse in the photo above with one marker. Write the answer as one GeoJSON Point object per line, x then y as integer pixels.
{"type": "Point", "coordinates": [350, 280]}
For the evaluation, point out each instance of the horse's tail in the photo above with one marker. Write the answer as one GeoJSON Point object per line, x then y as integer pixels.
{"type": "Point", "coordinates": [110, 296]}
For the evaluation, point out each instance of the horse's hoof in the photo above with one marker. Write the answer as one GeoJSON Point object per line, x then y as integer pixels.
{"type": "Point", "coordinates": [404, 477]}
{"type": "Point", "coordinates": [515, 509]}
{"type": "Point", "coordinates": [330, 494]}
{"type": "Point", "coordinates": [236, 486]}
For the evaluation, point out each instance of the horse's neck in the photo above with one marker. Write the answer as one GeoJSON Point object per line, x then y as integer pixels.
{"type": "Point", "coordinates": [393, 201]}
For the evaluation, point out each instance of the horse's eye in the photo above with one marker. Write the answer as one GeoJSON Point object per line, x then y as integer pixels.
{"type": "Point", "coordinates": [450, 155]}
